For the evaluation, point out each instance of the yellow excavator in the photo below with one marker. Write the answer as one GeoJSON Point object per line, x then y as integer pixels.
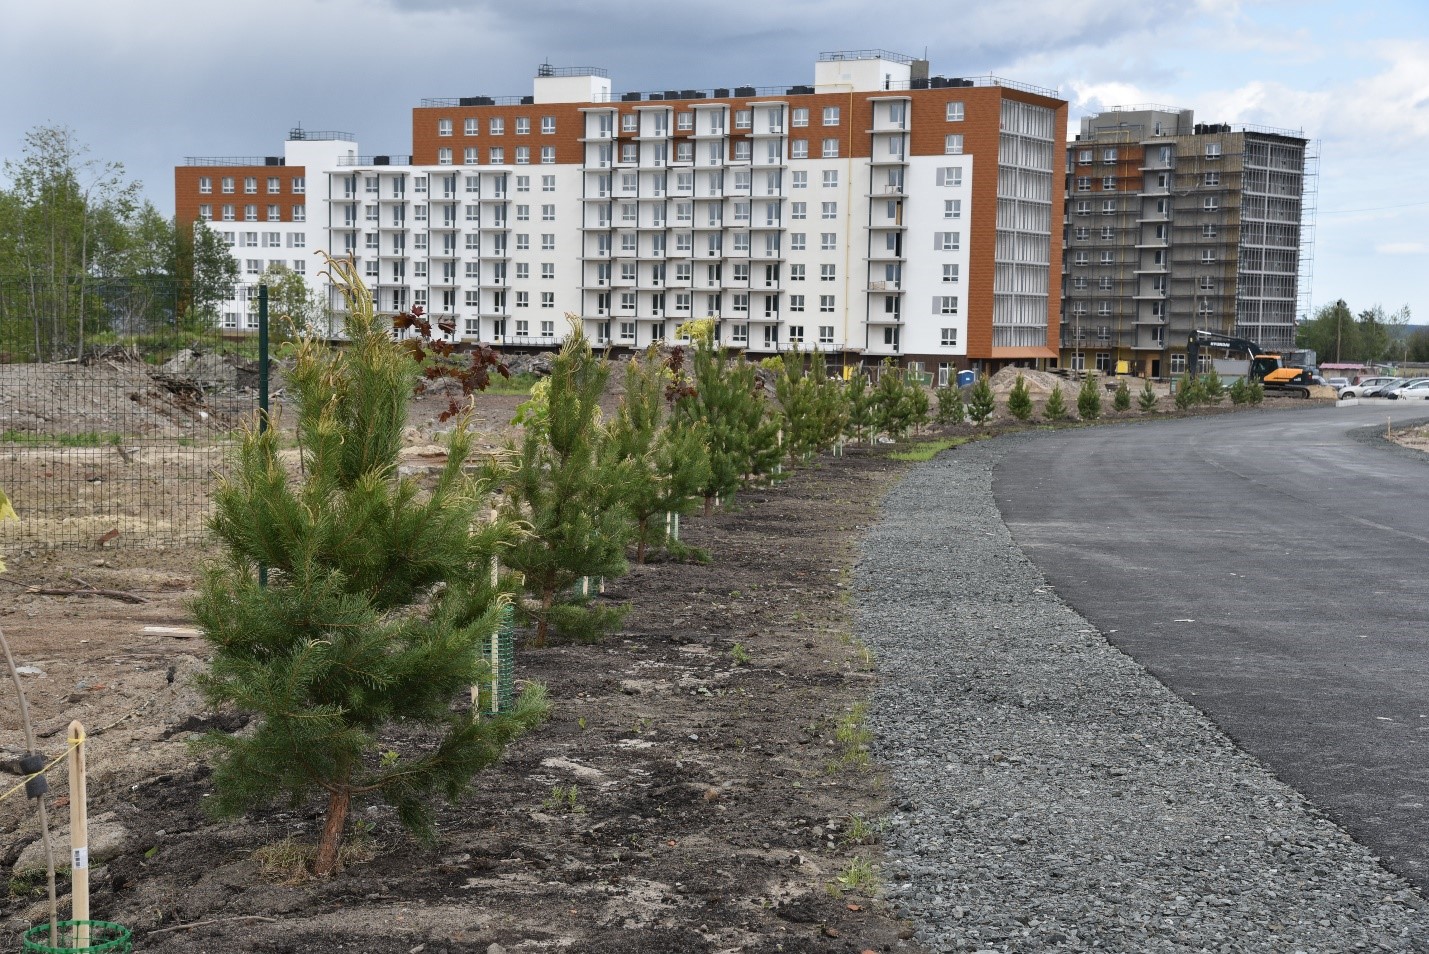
{"type": "Point", "coordinates": [1265, 367]}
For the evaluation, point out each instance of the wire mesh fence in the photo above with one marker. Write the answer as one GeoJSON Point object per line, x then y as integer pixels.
{"type": "Point", "coordinates": [115, 412]}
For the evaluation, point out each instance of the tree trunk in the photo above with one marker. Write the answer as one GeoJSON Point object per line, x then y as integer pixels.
{"type": "Point", "coordinates": [548, 598]}
{"type": "Point", "coordinates": [333, 825]}
{"type": "Point", "coordinates": [640, 547]}
{"type": "Point", "coordinates": [709, 505]}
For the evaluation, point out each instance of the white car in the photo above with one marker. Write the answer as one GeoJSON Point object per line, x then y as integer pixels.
{"type": "Point", "coordinates": [1366, 385]}
{"type": "Point", "coordinates": [1415, 389]}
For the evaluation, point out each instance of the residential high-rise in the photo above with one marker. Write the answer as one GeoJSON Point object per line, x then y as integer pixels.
{"type": "Point", "coordinates": [880, 212]}
{"type": "Point", "coordinates": [1173, 226]}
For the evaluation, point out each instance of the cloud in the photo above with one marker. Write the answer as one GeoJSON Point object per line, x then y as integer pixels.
{"type": "Point", "coordinates": [1403, 248]}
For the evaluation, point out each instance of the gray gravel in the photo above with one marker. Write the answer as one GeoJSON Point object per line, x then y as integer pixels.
{"type": "Point", "coordinates": [1053, 796]}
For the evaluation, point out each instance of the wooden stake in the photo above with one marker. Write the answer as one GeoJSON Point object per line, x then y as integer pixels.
{"type": "Point", "coordinates": [78, 835]}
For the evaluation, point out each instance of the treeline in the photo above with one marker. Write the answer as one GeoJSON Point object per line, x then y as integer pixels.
{"type": "Point", "coordinates": [1339, 335]}
{"type": "Point", "coordinates": [83, 258]}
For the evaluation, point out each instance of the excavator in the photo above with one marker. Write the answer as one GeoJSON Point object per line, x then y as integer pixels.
{"type": "Point", "coordinates": [1265, 366]}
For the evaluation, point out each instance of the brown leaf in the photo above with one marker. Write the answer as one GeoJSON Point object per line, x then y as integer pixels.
{"type": "Point", "coordinates": [854, 907]}
{"type": "Point", "coordinates": [108, 535]}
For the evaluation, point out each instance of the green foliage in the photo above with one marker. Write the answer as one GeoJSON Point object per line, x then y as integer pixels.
{"type": "Point", "coordinates": [981, 402]}
{"type": "Point", "coordinates": [294, 312]}
{"type": "Point", "coordinates": [950, 406]}
{"type": "Point", "coordinates": [1019, 400]}
{"type": "Point", "coordinates": [572, 492]}
{"type": "Point", "coordinates": [1188, 391]}
{"type": "Point", "coordinates": [860, 877]}
{"type": "Point", "coordinates": [1148, 398]}
{"type": "Point", "coordinates": [1239, 391]}
{"type": "Point", "coordinates": [1089, 398]}
{"type": "Point", "coordinates": [1212, 388]}
{"type": "Point", "coordinates": [1122, 399]}
{"type": "Point", "coordinates": [858, 397]}
{"type": "Point", "coordinates": [854, 737]}
{"type": "Point", "coordinates": [899, 404]}
{"type": "Point", "coordinates": [1337, 334]}
{"type": "Point", "coordinates": [814, 407]}
{"type": "Point", "coordinates": [378, 604]}
{"type": "Point", "coordinates": [667, 462]}
{"type": "Point", "coordinates": [1255, 392]}
{"type": "Point", "coordinates": [742, 436]}
{"type": "Point", "coordinates": [1056, 407]}
{"type": "Point", "coordinates": [927, 450]}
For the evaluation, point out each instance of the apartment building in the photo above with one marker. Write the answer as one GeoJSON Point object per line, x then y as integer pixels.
{"type": "Point", "coordinates": [1173, 225]}
{"type": "Point", "coordinates": [879, 212]}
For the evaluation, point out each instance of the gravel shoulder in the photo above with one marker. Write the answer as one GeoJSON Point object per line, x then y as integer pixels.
{"type": "Point", "coordinates": [1053, 796]}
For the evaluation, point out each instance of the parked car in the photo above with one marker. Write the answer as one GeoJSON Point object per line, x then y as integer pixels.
{"type": "Point", "coordinates": [1368, 386]}
{"type": "Point", "coordinates": [1338, 383]}
{"type": "Point", "coordinates": [1415, 389]}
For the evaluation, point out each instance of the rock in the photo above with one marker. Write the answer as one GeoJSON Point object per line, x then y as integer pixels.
{"type": "Point", "coordinates": [30, 670]}
{"type": "Point", "coordinates": [107, 838]}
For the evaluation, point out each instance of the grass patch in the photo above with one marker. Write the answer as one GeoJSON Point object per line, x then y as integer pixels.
{"type": "Point", "coordinates": [516, 384]}
{"type": "Point", "coordinates": [86, 439]}
{"type": "Point", "coordinates": [860, 877]}
{"type": "Point", "coordinates": [290, 861]}
{"type": "Point", "coordinates": [854, 737]}
{"type": "Point", "coordinates": [927, 450]}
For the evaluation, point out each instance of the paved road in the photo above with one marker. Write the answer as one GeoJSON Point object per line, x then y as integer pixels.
{"type": "Point", "coordinates": [1273, 570]}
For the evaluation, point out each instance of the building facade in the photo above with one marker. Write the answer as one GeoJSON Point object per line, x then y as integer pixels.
{"type": "Point", "coordinates": [1173, 226]}
{"type": "Point", "coordinates": [880, 212]}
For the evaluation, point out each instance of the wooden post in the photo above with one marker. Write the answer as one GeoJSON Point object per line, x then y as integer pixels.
{"type": "Point", "coordinates": [78, 835]}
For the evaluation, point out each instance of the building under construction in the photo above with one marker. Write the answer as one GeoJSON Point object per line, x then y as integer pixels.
{"type": "Point", "coordinates": [1173, 225]}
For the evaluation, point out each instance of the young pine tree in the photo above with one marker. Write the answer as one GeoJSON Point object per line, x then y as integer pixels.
{"type": "Point", "coordinates": [896, 406]}
{"type": "Point", "coordinates": [1122, 400]}
{"type": "Point", "coordinates": [377, 605]}
{"type": "Point", "coordinates": [1089, 399]}
{"type": "Point", "coordinates": [981, 402]}
{"type": "Point", "coordinates": [1188, 392]}
{"type": "Point", "coordinates": [1019, 400]}
{"type": "Point", "coordinates": [1147, 399]}
{"type": "Point", "coordinates": [1212, 388]}
{"type": "Point", "coordinates": [743, 437]}
{"type": "Point", "coordinates": [813, 410]}
{"type": "Point", "coordinates": [859, 400]}
{"type": "Point", "coordinates": [667, 463]}
{"type": "Point", "coordinates": [572, 493]}
{"type": "Point", "coordinates": [950, 406]}
{"type": "Point", "coordinates": [1056, 407]}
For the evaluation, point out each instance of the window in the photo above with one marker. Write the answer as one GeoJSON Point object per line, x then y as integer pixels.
{"type": "Point", "coordinates": [830, 149]}
{"type": "Point", "coordinates": [250, 239]}
{"type": "Point", "coordinates": [796, 273]}
{"type": "Point", "coordinates": [950, 273]}
{"type": "Point", "coordinates": [1084, 183]}
{"type": "Point", "coordinates": [1103, 282]}
{"type": "Point", "coordinates": [444, 156]}
{"type": "Point", "coordinates": [226, 184]}
{"type": "Point", "coordinates": [523, 241]}
{"type": "Point", "coordinates": [1080, 258]}
{"type": "Point", "coordinates": [685, 121]}
{"type": "Point", "coordinates": [548, 155]}
{"type": "Point", "coordinates": [828, 273]}
{"type": "Point", "coordinates": [250, 185]}
{"type": "Point", "coordinates": [1208, 256]}
{"type": "Point", "coordinates": [947, 241]}
{"type": "Point", "coordinates": [831, 178]}
{"type": "Point", "coordinates": [250, 213]}
{"type": "Point", "coordinates": [743, 118]}
{"type": "Point", "coordinates": [470, 156]}
{"type": "Point", "coordinates": [799, 180]}
{"type": "Point", "coordinates": [1081, 233]}
{"type": "Point", "coordinates": [799, 210]}
{"type": "Point", "coordinates": [523, 155]}
{"type": "Point", "coordinates": [548, 125]}
{"type": "Point", "coordinates": [955, 111]}
{"type": "Point", "coordinates": [1108, 257]}
{"type": "Point", "coordinates": [1213, 150]}
{"type": "Point", "coordinates": [826, 304]}
{"type": "Point", "coordinates": [950, 176]}
{"type": "Point", "coordinates": [797, 241]}
{"type": "Point", "coordinates": [1208, 231]}
{"type": "Point", "coordinates": [796, 303]}
{"type": "Point", "coordinates": [831, 115]}
{"type": "Point", "coordinates": [826, 334]}
{"type": "Point", "coordinates": [801, 116]}
{"type": "Point", "coordinates": [1211, 204]}
{"type": "Point", "coordinates": [272, 239]}
{"type": "Point", "coordinates": [548, 241]}
{"type": "Point", "coordinates": [205, 185]}
{"type": "Point", "coordinates": [1207, 283]}
{"type": "Point", "coordinates": [205, 212]}
{"type": "Point", "coordinates": [953, 144]}
{"type": "Point", "coordinates": [496, 155]}
{"type": "Point", "coordinates": [742, 149]}
{"type": "Point", "coordinates": [300, 185]}
{"type": "Point", "coordinates": [444, 127]}
{"type": "Point", "coordinates": [548, 270]}
{"type": "Point", "coordinates": [1213, 178]}
{"type": "Point", "coordinates": [828, 241]}
{"type": "Point", "coordinates": [1109, 155]}
{"type": "Point", "coordinates": [523, 125]}
{"type": "Point", "coordinates": [548, 299]}
{"type": "Point", "coordinates": [1108, 232]}
{"type": "Point", "coordinates": [949, 338]}
{"type": "Point", "coordinates": [798, 149]}
{"type": "Point", "coordinates": [945, 304]}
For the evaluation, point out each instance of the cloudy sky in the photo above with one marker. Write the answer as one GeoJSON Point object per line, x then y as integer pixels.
{"type": "Point", "coordinates": [148, 82]}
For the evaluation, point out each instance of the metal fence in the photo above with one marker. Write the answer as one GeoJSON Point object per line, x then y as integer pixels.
{"type": "Point", "coordinates": [115, 415]}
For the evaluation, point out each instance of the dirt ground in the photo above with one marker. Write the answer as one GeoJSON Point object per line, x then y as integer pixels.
{"type": "Point", "coordinates": [711, 808]}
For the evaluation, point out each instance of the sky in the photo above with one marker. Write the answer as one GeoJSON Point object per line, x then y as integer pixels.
{"type": "Point", "coordinates": [150, 82]}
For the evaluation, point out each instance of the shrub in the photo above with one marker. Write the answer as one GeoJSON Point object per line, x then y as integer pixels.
{"type": "Point", "coordinates": [1239, 391]}
{"type": "Point", "coordinates": [950, 406]}
{"type": "Point", "coordinates": [1148, 398]}
{"type": "Point", "coordinates": [1212, 388]}
{"type": "Point", "coordinates": [1056, 407]}
{"type": "Point", "coordinates": [1089, 399]}
{"type": "Point", "coordinates": [1122, 400]}
{"type": "Point", "coordinates": [1188, 392]}
{"type": "Point", "coordinates": [981, 402]}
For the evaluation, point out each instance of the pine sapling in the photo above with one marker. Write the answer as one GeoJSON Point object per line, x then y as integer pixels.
{"type": "Point", "coordinates": [1019, 400]}
{"type": "Point", "coordinates": [1122, 400]}
{"type": "Point", "coordinates": [981, 402]}
{"type": "Point", "coordinates": [377, 606]}
{"type": "Point", "coordinates": [1056, 407]}
{"type": "Point", "coordinates": [1089, 399]}
{"type": "Point", "coordinates": [1147, 399]}
{"type": "Point", "coordinates": [950, 406]}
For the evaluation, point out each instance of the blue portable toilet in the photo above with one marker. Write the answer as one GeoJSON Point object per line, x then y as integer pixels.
{"type": "Point", "coordinates": [967, 378]}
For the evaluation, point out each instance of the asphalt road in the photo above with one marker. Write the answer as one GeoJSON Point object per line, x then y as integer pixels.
{"type": "Point", "coordinates": [1272, 569]}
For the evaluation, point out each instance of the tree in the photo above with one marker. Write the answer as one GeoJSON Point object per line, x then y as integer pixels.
{"type": "Point", "coordinates": [1019, 400]}
{"type": "Point", "coordinates": [727, 398]}
{"type": "Point", "coordinates": [1056, 407]}
{"type": "Point", "coordinates": [1122, 400]}
{"type": "Point", "coordinates": [950, 406]}
{"type": "Point", "coordinates": [203, 260]}
{"type": "Point", "coordinates": [1188, 391]}
{"type": "Point", "coordinates": [294, 311]}
{"type": "Point", "coordinates": [377, 606]}
{"type": "Point", "coordinates": [1089, 399]}
{"type": "Point", "coordinates": [813, 406]}
{"type": "Point", "coordinates": [899, 404]}
{"type": "Point", "coordinates": [668, 462]}
{"type": "Point", "coordinates": [859, 399]}
{"type": "Point", "coordinates": [1212, 387]}
{"type": "Point", "coordinates": [1147, 399]}
{"type": "Point", "coordinates": [981, 402]}
{"type": "Point", "coordinates": [570, 491]}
